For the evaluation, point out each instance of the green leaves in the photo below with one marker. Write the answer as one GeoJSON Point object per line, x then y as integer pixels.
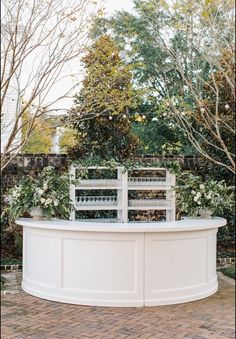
{"type": "Point", "coordinates": [48, 190]}
{"type": "Point", "coordinates": [194, 195]}
{"type": "Point", "coordinates": [101, 111]}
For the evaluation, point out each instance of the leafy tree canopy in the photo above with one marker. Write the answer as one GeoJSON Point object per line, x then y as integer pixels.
{"type": "Point", "coordinates": [153, 72]}
{"type": "Point", "coordinates": [68, 138]}
{"type": "Point", "coordinates": [176, 47]}
{"type": "Point", "coordinates": [101, 111]}
{"type": "Point", "coordinates": [41, 140]}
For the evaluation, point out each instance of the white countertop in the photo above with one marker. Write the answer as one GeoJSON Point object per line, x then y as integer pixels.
{"type": "Point", "coordinates": [187, 224]}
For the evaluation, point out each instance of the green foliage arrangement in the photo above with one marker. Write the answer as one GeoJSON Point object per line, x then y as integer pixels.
{"type": "Point", "coordinates": [172, 166]}
{"type": "Point", "coordinates": [127, 164]}
{"type": "Point", "coordinates": [195, 195]}
{"type": "Point", "coordinates": [48, 191]}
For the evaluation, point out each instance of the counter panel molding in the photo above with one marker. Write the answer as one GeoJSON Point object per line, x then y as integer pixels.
{"type": "Point", "coordinates": [121, 264]}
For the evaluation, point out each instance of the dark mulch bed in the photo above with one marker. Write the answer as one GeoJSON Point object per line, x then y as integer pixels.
{"type": "Point", "coordinates": [225, 249]}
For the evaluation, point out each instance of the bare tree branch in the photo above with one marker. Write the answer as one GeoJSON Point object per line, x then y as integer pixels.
{"type": "Point", "coordinates": [40, 38]}
{"type": "Point", "coordinates": [208, 31]}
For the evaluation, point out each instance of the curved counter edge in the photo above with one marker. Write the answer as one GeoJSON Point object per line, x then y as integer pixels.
{"type": "Point", "coordinates": [187, 224]}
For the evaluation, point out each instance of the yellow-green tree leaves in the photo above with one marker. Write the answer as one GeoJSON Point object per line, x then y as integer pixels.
{"type": "Point", "coordinates": [101, 111]}
{"type": "Point", "coordinates": [40, 141]}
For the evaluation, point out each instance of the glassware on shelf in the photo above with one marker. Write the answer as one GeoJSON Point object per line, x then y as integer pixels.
{"type": "Point", "coordinates": [146, 181]}
{"type": "Point", "coordinates": [113, 193]}
{"type": "Point", "coordinates": [96, 200]}
{"type": "Point", "coordinates": [99, 182]}
{"type": "Point", "coordinates": [148, 202]}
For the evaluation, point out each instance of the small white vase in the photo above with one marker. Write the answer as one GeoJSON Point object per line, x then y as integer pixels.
{"type": "Point", "coordinates": [36, 213]}
{"type": "Point", "coordinates": [205, 213]}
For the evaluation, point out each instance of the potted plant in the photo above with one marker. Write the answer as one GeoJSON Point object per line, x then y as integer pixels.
{"type": "Point", "coordinates": [196, 197]}
{"type": "Point", "coordinates": [43, 196]}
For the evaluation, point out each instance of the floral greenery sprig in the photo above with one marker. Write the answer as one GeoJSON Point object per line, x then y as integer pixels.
{"type": "Point", "coordinates": [48, 191]}
{"type": "Point", "coordinates": [129, 164]}
{"type": "Point", "coordinates": [173, 166]}
{"type": "Point", "coordinates": [194, 195]}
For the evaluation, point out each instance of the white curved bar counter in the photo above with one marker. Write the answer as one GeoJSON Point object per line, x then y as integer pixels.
{"type": "Point", "coordinates": [112, 264]}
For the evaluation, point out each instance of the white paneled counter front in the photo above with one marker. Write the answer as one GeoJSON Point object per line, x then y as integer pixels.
{"type": "Point", "coordinates": [120, 264]}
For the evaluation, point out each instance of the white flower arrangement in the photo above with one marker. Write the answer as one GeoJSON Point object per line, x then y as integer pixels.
{"type": "Point", "coordinates": [49, 191]}
{"type": "Point", "coordinates": [195, 195]}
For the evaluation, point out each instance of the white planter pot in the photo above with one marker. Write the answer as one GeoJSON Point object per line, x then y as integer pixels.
{"type": "Point", "coordinates": [205, 213]}
{"type": "Point", "coordinates": [36, 213]}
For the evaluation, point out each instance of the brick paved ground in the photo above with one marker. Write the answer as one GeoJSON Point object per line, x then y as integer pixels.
{"type": "Point", "coordinates": [24, 316]}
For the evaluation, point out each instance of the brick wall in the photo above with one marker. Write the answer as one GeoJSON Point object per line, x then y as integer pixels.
{"type": "Point", "coordinates": [186, 162]}
{"type": "Point", "coordinates": [31, 164]}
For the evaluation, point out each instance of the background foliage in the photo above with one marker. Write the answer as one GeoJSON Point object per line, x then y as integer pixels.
{"type": "Point", "coordinates": [103, 102]}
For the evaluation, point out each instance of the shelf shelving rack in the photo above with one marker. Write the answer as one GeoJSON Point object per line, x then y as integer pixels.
{"type": "Point", "coordinates": [123, 184]}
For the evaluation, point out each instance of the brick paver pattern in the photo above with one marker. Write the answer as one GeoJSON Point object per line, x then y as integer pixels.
{"type": "Point", "coordinates": [25, 316]}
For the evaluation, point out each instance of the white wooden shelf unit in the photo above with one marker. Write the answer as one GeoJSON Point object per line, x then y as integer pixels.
{"type": "Point", "coordinates": [122, 185]}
